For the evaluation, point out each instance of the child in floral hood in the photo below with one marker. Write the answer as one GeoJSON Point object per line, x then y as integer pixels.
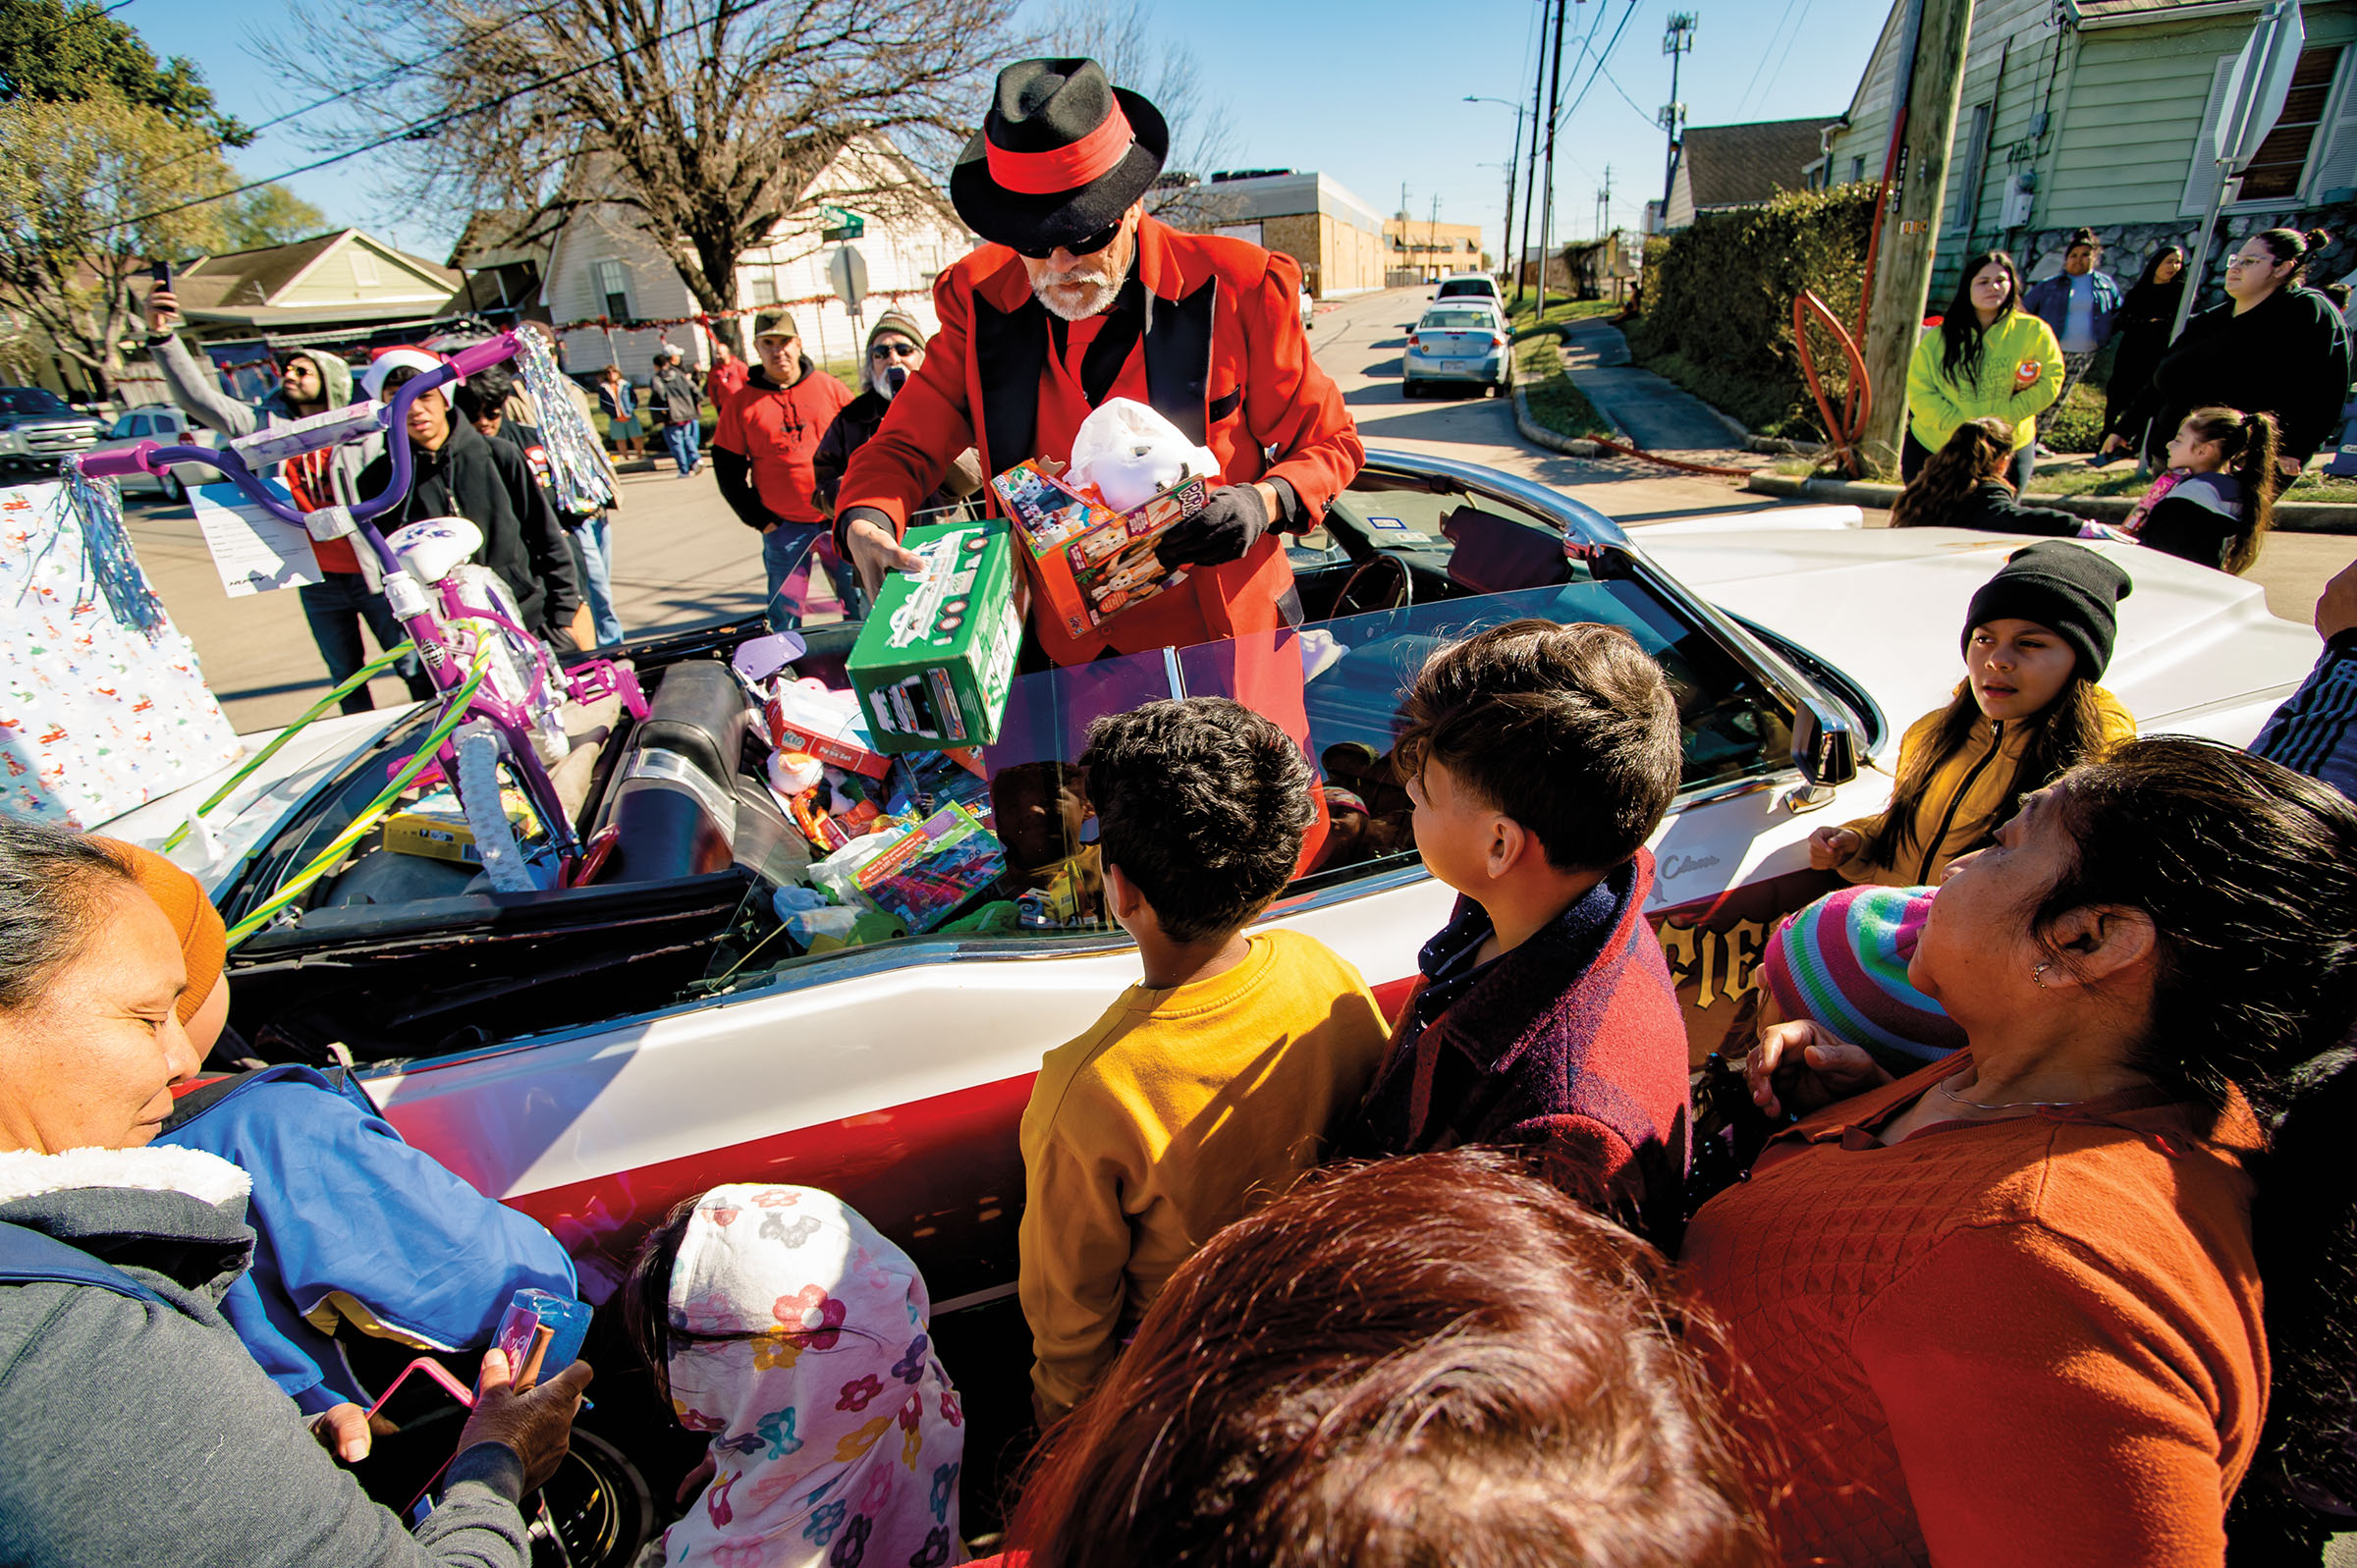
{"type": "Point", "coordinates": [794, 1334]}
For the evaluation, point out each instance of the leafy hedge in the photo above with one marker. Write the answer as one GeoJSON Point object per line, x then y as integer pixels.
{"type": "Point", "coordinates": [1718, 303]}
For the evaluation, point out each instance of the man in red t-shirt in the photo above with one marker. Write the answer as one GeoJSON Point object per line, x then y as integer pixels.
{"type": "Point", "coordinates": [761, 453]}
{"type": "Point", "coordinates": [728, 373]}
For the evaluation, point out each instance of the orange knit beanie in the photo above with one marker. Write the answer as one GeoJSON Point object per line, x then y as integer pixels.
{"type": "Point", "coordinates": [203, 940]}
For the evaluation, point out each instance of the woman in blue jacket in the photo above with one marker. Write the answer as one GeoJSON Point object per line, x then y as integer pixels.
{"type": "Point", "coordinates": [2081, 305]}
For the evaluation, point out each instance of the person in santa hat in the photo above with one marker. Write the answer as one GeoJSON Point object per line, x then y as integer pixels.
{"type": "Point", "coordinates": [460, 474]}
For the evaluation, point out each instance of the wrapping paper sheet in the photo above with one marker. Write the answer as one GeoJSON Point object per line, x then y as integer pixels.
{"type": "Point", "coordinates": [95, 717]}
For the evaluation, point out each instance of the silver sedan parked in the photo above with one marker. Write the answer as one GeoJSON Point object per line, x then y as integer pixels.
{"type": "Point", "coordinates": [1457, 340]}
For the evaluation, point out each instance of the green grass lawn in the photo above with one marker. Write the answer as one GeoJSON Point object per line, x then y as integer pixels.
{"type": "Point", "coordinates": [1555, 404]}
{"type": "Point", "coordinates": [1524, 317]}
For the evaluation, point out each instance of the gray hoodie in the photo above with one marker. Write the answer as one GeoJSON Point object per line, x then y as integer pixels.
{"type": "Point", "coordinates": [201, 398]}
{"type": "Point", "coordinates": [144, 1434]}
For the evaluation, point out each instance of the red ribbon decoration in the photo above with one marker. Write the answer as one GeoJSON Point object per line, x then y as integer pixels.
{"type": "Point", "coordinates": [1068, 168]}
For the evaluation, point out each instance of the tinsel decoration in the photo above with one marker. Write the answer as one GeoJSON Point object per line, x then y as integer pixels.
{"type": "Point", "coordinates": [577, 459]}
{"type": "Point", "coordinates": [96, 505]}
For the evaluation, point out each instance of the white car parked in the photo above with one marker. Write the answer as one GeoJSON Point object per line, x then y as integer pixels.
{"type": "Point", "coordinates": [594, 1054]}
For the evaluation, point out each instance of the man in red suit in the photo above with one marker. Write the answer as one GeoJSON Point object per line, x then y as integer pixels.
{"type": "Point", "coordinates": [1080, 296]}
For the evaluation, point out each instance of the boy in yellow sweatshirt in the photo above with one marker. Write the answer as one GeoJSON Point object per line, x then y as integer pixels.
{"type": "Point", "coordinates": [1210, 1085]}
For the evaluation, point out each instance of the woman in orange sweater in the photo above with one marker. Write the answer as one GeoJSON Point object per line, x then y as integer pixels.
{"type": "Point", "coordinates": [2006, 1309]}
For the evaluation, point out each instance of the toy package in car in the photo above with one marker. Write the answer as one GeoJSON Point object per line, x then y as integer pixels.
{"type": "Point", "coordinates": [934, 662]}
{"type": "Point", "coordinates": [927, 874]}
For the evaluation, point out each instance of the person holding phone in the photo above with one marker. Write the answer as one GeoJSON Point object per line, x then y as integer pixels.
{"type": "Point", "coordinates": [350, 595]}
{"type": "Point", "coordinates": [140, 1429]}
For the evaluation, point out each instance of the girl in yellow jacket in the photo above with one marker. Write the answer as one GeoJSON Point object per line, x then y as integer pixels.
{"type": "Point", "coordinates": [1987, 358]}
{"type": "Point", "coordinates": [2036, 640]}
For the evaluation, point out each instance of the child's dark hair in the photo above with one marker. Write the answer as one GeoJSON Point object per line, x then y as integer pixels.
{"type": "Point", "coordinates": [1960, 328]}
{"type": "Point", "coordinates": [1434, 1358]}
{"type": "Point", "coordinates": [2289, 244]}
{"type": "Point", "coordinates": [2249, 443]}
{"type": "Point", "coordinates": [1203, 804]}
{"type": "Point", "coordinates": [486, 391]}
{"type": "Point", "coordinates": [1570, 731]}
{"type": "Point", "coordinates": [1978, 451]}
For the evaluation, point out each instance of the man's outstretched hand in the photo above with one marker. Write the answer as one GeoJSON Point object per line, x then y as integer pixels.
{"type": "Point", "coordinates": [1230, 523]}
{"type": "Point", "coordinates": [875, 549]}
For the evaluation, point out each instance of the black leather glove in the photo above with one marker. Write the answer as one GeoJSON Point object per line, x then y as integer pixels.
{"type": "Point", "coordinates": [1230, 521]}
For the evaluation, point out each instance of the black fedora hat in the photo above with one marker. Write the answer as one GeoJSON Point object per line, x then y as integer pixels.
{"type": "Point", "coordinates": [1060, 157]}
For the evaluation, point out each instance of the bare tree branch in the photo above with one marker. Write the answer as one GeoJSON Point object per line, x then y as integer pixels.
{"type": "Point", "coordinates": [705, 122]}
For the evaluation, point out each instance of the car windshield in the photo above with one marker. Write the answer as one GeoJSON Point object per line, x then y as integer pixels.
{"type": "Point", "coordinates": [1477, 285]}
{"type": "Point", "coordinates": [1392, 577]}
{"type": "Point", "coordinates": [32, 400]}
{"type": "Point", "coordinates": [1456, 321]}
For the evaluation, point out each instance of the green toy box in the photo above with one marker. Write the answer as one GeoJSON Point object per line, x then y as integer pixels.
{"type": "Point", "coordinates": [932, 666]}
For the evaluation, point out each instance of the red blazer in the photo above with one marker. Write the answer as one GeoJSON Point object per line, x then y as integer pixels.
{"type": "Point", "coordinates": [1225, 360]}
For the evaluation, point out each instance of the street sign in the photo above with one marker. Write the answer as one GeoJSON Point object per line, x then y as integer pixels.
{"type": "Point", "coordinates": [2249, 108]}
{"type": "Point", "coordinates": [846, 271]}
{"type": "Point", "coordinates": [837, 223]}
{"type": "Point", "coordinates": [2260, 83]}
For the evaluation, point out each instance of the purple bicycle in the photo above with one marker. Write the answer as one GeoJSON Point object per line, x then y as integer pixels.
{"type": "Point", "coordinates": [502, 691]}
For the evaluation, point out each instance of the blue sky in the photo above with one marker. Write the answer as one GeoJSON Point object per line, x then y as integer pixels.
{"type": "Point", "coordinates": [1366, 90]}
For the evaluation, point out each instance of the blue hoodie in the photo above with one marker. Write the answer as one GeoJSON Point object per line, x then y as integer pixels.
{"type": "Point", "coordinates": [350, 1222]}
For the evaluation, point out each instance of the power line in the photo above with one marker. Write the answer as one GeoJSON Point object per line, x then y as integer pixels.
{"type": "Point", "coordinates": [1601, 58]}
{"type": "Point", "coordinates": [402, 68]}
{"type": "Point", "coordinates": [1766, 51]}
{"type": "Point", "coordinates": [420, 130]}
{"type": "Point", "coordinates": [390, 74]}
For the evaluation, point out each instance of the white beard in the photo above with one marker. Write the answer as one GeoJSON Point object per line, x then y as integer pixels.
{"type": "Point", "coordinates": [1096, 302]}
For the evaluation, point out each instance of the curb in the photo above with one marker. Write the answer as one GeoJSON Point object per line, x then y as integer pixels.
{"type": "Point", "coordinates": [2291, 516]}
{"type": "Point", "coordinates": [1539, 435]}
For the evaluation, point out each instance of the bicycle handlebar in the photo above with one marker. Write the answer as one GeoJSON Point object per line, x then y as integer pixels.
{"type": "Point", "coordinates": [119, 464]}
{"type": "Point", "coordinates": [149, 457]}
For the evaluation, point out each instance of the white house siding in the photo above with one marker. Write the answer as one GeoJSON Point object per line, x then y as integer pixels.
{"type": "Point", "coordinates": [903, 254]}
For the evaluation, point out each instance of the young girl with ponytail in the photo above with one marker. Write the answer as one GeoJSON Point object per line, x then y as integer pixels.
{"type": "Point", "coordinates": [2217, 496]}
{"type": "Point", "coordinates": [2037, 637]}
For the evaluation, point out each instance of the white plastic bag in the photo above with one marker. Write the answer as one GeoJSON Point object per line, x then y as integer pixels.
{"type": "Point", "coordinates": [1131, 453]}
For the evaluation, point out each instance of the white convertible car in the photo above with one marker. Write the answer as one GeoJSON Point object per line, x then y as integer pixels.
{"type": "Point", "coordinates": [594, 1054]}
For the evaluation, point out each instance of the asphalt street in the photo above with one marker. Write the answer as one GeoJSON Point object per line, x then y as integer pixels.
{"type": "Point", "coordinates": [682, 558]}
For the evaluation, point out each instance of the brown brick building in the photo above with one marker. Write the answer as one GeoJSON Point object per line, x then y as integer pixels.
{"type": "Point", "coordinates": [1337, 238]}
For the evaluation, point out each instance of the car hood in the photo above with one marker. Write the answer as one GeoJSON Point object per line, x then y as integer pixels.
{"type": "Point", "coordinates": [259, 803]}
{"type": "Point", "coordinates": [1887, 607]}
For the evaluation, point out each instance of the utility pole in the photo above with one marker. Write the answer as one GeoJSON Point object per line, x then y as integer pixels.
{"type": "Point", "coordinates": [1604, 203]}
{"type": "Point", "coordinates": [1554, 94]}
{"type": "Point", "coordinates": [1530, 184]}
{"type": "Point", "coordinates": [1507, 240]}
{"type": "Point", "coordinates": [1431, 231]}
{"type": "Point", "coordinates": [1677, 42]}
{"type": "Point", "coordinates": [1911, 220]}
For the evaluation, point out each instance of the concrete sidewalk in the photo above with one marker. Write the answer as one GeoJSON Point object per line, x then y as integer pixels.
{"type": "Point", "coordinates": [1655, 414]}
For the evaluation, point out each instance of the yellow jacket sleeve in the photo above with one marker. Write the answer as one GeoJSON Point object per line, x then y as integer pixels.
{"type": "Point", "coordinates": [1074, 1241]}
{"type": "Point", "coordinates": [1932, 412]}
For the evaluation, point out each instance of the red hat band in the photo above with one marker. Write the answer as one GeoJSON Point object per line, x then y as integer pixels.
{"type": "Point", "coordinates": [1066, 168]}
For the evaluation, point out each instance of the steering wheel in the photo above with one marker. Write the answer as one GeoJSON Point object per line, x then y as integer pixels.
{"type": "Point", "coordinates": [1364, 579]}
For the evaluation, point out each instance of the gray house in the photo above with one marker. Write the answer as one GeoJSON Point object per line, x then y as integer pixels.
{"type": "Point", "coordinates": [2089, 113]}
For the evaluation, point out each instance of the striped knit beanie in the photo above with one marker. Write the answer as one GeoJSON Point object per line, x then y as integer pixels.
{"type": "Point", "coordinates": [1841, 962]}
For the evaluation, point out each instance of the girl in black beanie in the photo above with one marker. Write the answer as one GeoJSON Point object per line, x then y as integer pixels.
{"type": "Point", "coordinates": [2037, 639]}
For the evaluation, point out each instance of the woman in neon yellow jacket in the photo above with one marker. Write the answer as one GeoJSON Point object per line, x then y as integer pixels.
{"type": "Point", "coordinates": [1988, 357]}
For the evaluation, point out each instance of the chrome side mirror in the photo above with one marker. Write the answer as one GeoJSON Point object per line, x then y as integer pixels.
{"type": "Point", "coordinates": [1825, 748]}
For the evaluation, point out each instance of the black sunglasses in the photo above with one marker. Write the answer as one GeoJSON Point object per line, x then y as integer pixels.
{"type": "Point", "coordinates": [1079, 248]}
{"type": "Point", "coordinates": [894, 350]}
